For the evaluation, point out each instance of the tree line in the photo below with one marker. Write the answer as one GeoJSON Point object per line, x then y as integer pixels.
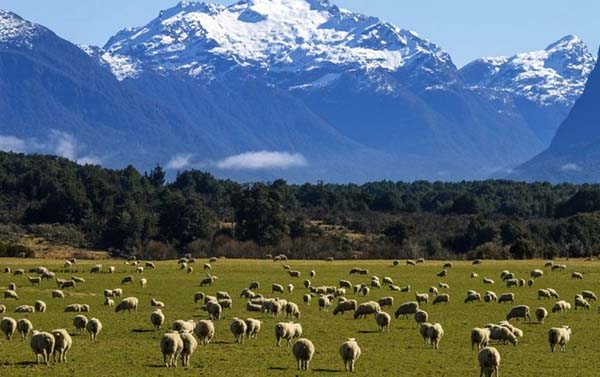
{"type": "Point", "coordinates": [130, 212]}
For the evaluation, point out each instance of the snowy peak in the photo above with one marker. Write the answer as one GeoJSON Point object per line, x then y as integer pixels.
{"type": "Point", "coordinates": [555, 75]}
{"type": "Point", "coordinates": [270, 35]}
{"type": "Point", "coordinates": [16, 31]}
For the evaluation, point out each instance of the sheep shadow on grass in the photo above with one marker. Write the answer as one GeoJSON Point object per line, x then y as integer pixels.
{"type": "Point", "coordinates": [324, 370]}
{"type": "Point", "coordinates": [368, 331]}
{"type": "Point", "coordinates": [142, 330]}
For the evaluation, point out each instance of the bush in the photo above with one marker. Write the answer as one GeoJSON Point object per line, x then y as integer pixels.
{"type": "Point", "coordinates": [156, 250]}
{"type": "Point", "coordinates": [13, 251]}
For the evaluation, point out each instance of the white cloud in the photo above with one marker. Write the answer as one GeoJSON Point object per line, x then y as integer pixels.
{"type": "Point", "coordinates": [12, 144]}
{"type": "Point", "coordinates": [180, 161]}
{"type": "Point", "coordinates": [262, 160]}
{"type": "Point", "coordinates": [65, 145]}
{"type": "Point", "coordinates": [570, 167]}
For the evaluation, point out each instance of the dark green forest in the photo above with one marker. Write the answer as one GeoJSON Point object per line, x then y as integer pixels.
{"type": "Point", "coordinates": [128, 212]}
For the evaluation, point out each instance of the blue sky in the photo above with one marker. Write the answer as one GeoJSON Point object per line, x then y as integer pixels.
{"type": "Point", "coordinates": [467, 29]}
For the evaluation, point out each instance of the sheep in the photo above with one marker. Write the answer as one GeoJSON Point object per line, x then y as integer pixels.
{"type": "Point", "coordinates": [189, 347]}
{"type": "Point", "coordinates": [443, 285]}
{"type": "Point", "coordinates": [386, 301]}
{"type": "Point", "coordinates": [359, 271]}
{"type": "Point", "coordinates": [559, 336]}
{"type": "Point", "coordinates": [543, 293]}
{"type": "Point", "coordinates": [287, 331]}
{"type": "Point", "coordinates": [117, 292]}
{"type": "Point", "coordinates": [480, 337]}
{"type": "Point", "coordinates": [96, 269]}
{"type": "Point", "coordinates": [581, 302]}
{"type": "Point", "coordinates": [422, 298]}
{"type": "Point", "coordinates": [93, 327]}
{"type": "Point", "coordinates": [205, 331]}
{"type": "Point", "coordinates": [127, 279]}
{"type": "Point", "coordinates": [345, 284]}
{"type": "Point", "coordinates": [442, 273]}
{"type": "Point", "coordinates": [589, 295]}
{"type": "Point", "coordinates": [345, 306]}
{"type": "Point", "coordinates": [277, 288]}
{"type": "Point", "coordinates": [536, 274]}
{"type": "Point", "coordinates": [476, 262]}
{"type": "Point", "coordinates": [40, 306]}
{"type": "Point", "coordinates": [290, 288]}
{"type": "Point", "coordinates": [540, 315]}
{"type": "Point", "coordinates": [423, 328]}
{"type": "Point", "coordinates": [111, 269]}
{"type": "Point", "coordinates": [8, 326]}
{"type": "Point", "coordinates": [42, 344]}
{"type": "Point", "coordinates": [183, 326]}
{"type": "Point", "coordinates": [35, 280]}
{"type": "Point", "coordinates": [375, 284]}
{"type": "Point", "coordinates": [553, 292]}
{"type": "Point", "coordinates": [512, 283]}
{"type": "Point", "coordinates": [434, 291]}
{"type": "Point", "coordinates": [108, 293]}
{"type": "Point", "coordinates": [171, 346]}
{"type": "Point", "coordinates": [143, 282]}
{"type": "Point", "coordinates": [238, 328]}
{"type": "Point", "coordinates": [443, 298]}
{"type": "Point", "coordinates": [206, 267]}
{"type": "Point", "coordinates": [62, 345]}
{"type": "Point", "coordinates": [421, 316]}
{"type": "Point", "coordinates": [214, 310]}
{"type": "Point", "coordinates": [435, 333]}
{"type": "Point", "coordinates": [490, 296]}
{"type": "Point", "coordinates": [156, 303]}
{"type": "Point", "coordinates": [520, 311]}
{"type": "Point", "coordinates": [129, 304]}
{"type": "Point", "coordinates": [73, 308]}
{"type": "Point", "coordinates": [488, 281]}
{"type": "Point", "coordinates": [66, 284]}
{"type": "Point", "coordinates": [7, 270]}
{"type": "Point", "coordinates": [307, 298]}
{"type": "Point", "coordinates": [252, 328]}
{"type": "Point", "coordinates": [506, 297]}
{"type": "Point", "coordinates": [472, 296]}
{"type": "Point", "coordinates": [80, 322]}
{"type": "Point", "coordinates": [576, 276]}
{"type": "Point", "coordinates": [366, 308]}
{"type": "Point", "coordinates": [77, 279]}
{"type": "Point", "coordinates": [364, 291]}
{"type": "Point", "coordinates": [294, 274]}
{"type": "Point", "coordinates": [303, 351]}
{"type": "Point", "coordinates": [530, 283]}
{"type": "Point", "coordinates": [24, 309]}
{"type": "Point", "coordinates": [19, 272]}
{"type": "Point", "coordinates": [503, 334]}
{"type": "Point", "coordinates": [157, 318]}
{"type": "Point", "coordinates": [410, 262]}
{"type": "Point", "coordinates": [383, 321]}
{"type": "Point", "coordinates": [447, 265]}
{"type": "Point", "coordinates": [350, 353]}
{"type": "Point", "coordinates": [199, 296]}
{"type": "Point", "coordinates": [420, 260]}
{"type": "Point", "coordinates": [406, 308]}
{"type": "Point", "coordinates": [24, 327]}
{"type": "Point", "coordinates": [255, 285]}
{"type": "Point", "coordinates": [489, 362]}
{"type": "Point", "coordinates": [253, 307]}
{"type": "Point", "coordinates": [388, 281]}
{"type": "Point", "coordinates": [209, 280]}
{"type": "Point", "coordinates": [12, 287]}
{"type": "Point", "coordinates": [292, 310]}
{"type": "Point", "coordinates": [10, 294]}
{"type": "Point", "coordinates": [324, 303]}
{"type": "Point", "coordinates": [2, 308]}
{"type": "Point", "coordinates": [561, 306]}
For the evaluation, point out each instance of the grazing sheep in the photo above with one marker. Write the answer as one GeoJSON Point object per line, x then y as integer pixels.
{"type": "Point", "coordinates": [73, 308]}
{"type": "Point", "coordinates": [77, 279]}
{"type": "Point", "coordinates": [183, 326]}
{"type": "Point", "coordinates": [506, 297]}
{"type": "Point", "coordinates": [364, 290]}
{"type": "Point", "coordinates": [2, 308]}
{"type": "Point", "coordinates": [307, 284]}
{"type": "Point", "coordinates": [80, 322]}
{"type": "Point", "coordinates": [386, 301]}
{"type": "Point", "coordinates": [536, 274]}
{"type": "Point", "coordinates": [541, 314]}
{"type": "Point", "coordinates": [307, 298]}
{"type": "Point", "coordinates": [422, 298]}
{"type": "Point", "coordinates": [111, 269]}
{"type": "Point", "coordinates": [252, 328]}
{"type": "Point", "coordinates": [8, 326]}
{"type": "Point", "coordinates": [345, 284]}
{"type": "Point", "coordinates": [171, 346]}
{"type": "Point", "coordinates": [24, 309]}
{"type": "Point", "coordinates": [254, 285]}
{"type": "Point", "coordinates": [24, 327]}
{"type": "Point", "coordinates": [488, 281]}
{"type": "Point", "coordinates": [189, 347]}
{"type": "Point", "coordinates": [350, 353]}
{"type": "Point", "coordinates": [406, 308]}
{"type": "Point", "coordinates": [324, 303]}
{"type": "Point", "coordinates": [559, 336]}
{"type": "Point", "coordinates": [96, 269]}
{"type": "Point", "coordinates": [589, 295]}
{"type": "Point", "coordinates": [434, 291]}
{"type": "Point", "coordinates": [423, 328]}
{"type": "Point", "coordinates": [472, 296]}
{"type": "Point", "coordinates": [35, 280]}
{"type": "Point", "coordinates": [117, 292]}
{"type": "Point", "coordinates": [214, 310]}
{"type": "Point", "coordinates": [156, 303]}
{"type": "Point", "coordinates": [238, 328]}
{"type": "Point", "coordinates": [443, 298]}
{"type": "Point", "coordinates": [553, 292]}
{"type": "Point", "coordinates": [476, 262]}
{"type": "Point", "coordinates": [10, 294]}
{"type": "Point", "coordinates": [543, 293]}
{"type": "Point", "coordinates": [277, 288]}
{"type": "Point", "coordinates": [93, 327]}
{"type": "Point", "coordinates": [19, 272]}
{"type": "Point", "coordinates": [345, 306]}
{"type": "Point", "coordinates": [359, 271]}
{"type": "Point", "coordinates": [443, 285]}
{"type": "Point", "coordinates": [292, 310]}
{"type": "Point", "coordinates": [581, 302]}
{"type": "Point", "coordinates": [205, 331]}
{"type": "Point", "coordinates": [209, 280]}
{"type": "Point", "coordinates": [143, 282]}
{"type": "Point", "coordinates": [157, 318]}
{"type": "Point", "coordinates": [40, 306]}
{"type": "Point", "coordinates": [62, 344]}
{"type": "Point", "coordinates": [253, 307]}
{"type": "Point", "coordinates": [109, 302]}
{"type": "Point", "coordinates": [421, 316]}
{"type": "Point", "coordinates": [129, 304]}
{"type": "Point", "coordinates": [127, 279]}
{"type": "Point", "coordinates": [42, 344]}
{"type": "Point", "coordinates": [442, 273]}
{"type": "Point", "coordinates": [490, 296]}
{"type": "Point", "coordinates": [287, 331]}
{"type": "Point", "coordinates": [520, 311]}
{"type": "Point", "coordinates": [503, 334]}
{"type": "Point", "coordinates": [303, 351]}
{"type": "Point", "coordinates": [410, 262]}
{"type": "Point", "coordinates": [561, 307]}
{"type": "Point", "coordinates": [66, 284]}
{"type": "Point", "coordinates": [447, 265]}
{"type": "Point", "coordinates": [489, 362]}
{"type": "Point", "coordinates": [366, 308]}
{"type": "Point", "coordinates": [12, 287]}
{"type": "Point", "coordinates": [383, 321]}
{"type": "Point", "coordinates": [7, 270]}
{"type": "Point", "coordinates": [290, 288]}
{"type": "Point", "coordinates": [480, 337]}
{"type": "Point", "coordinates": [294, 274]}
{"type": "Point", "coordinates": [512, 283]}
{"type": "Point", "coordinates": [388, 281]}
{"type": "Point", "coordinates": [435, 333]}
{"type": "Point", "coordinates": [530, 283]}
{"type": "Point", "coordinates": [576, 276]}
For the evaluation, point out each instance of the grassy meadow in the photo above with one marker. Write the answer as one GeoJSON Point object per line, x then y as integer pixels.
{"type": "Point", "coordinates": [127, 345]}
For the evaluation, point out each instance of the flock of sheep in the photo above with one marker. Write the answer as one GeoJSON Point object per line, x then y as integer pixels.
{"type": "Point", "coordinates": [183, 336]}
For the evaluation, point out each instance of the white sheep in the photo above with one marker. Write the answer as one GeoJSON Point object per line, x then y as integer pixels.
{"type": "Point", "coordinates": [252, 328]}
{"type": "Point", "coordinates": [422, 298]}
{"type": "Point", "coordinates": [472, 296]}
{"type": "Point", "coordinates": [407, 308]}
{"type": "Point", "coordinates": [366, 308]}
{"type": "Point", "coordinates": [350, 353]}
{"type": "Point", "coordinates": [277, 288]}
{"type": "Point", "coordinates": [143, 282]}
{"type": "Point", "coordinates": [24, 309]}
{"type": "Point", "coordinates": [324, 303]}
{"type": "Point", "coordinates": [589, 295]}
{"type": "Point", "coordinates": [386, 301]}
{"type": "Point", "coordinates": [502, 334]}
{"type": "Point", "coordinates": [80, 322]}
{"type": "Point", "coordinates": [93, 327]}
{"type": "Point", "coordinates": [421, 316]}
{"type": "Point", "coordinates": [11, 294]}
{"type": "Point", "coordinates": [480, 337]}
{"type": "Point", "coordinates": [423, 329]}
{"type": "Point", "coordinates": [205, 331]}
{"type": "Point", "coordinates": [506, 297]}
{"type": "Point", "coordinates": [157, 318]}
{"type": "Point", "coordinates": [520, 311]}
{"type": "Point", "coordinates": [8, 326]}
{"type": "Point", "coordinates": [559, 336]}
{"type": "Point", "coordinates": [489, 362]}
{"type": "Point", "coordinates": [287, 331]}
{"type": "Point", "coordinates": [109, 302]}
{"type": "Point", "coordinates": [57, 293]}
{"type": "Point", "coordinates": [62, 344]}
{"type": "Point", "coordinates": [292, 310]}
{"type": "Point", "coordinates": [561, 306]}
{"type": "Point", "coordinates": [345, 306]}
{"type": "Point", "coordinates": [303, 351]}
{"type": "Point", "coordinates": [581, 302]}
{"type": "Point", "coordinates": [238, 328]}
{"type": "Point", "coordinates": [171, 346]}
{"type": "Point", "coordinates": [442, 298]}
{"type": "Point", "coordinates": [307, 298]}
{"type": "Point", "coordinates": [183, 326]}
{"type": "Point", "coordinates": [24, 327]}
{"type": "Point", "coordinates": [154, 302]}
{"type": "Point", "coordinates": [129, 304]}
{"type": "Point", "coordinates": [435, 333]}
{"type": "Point", "coordinates": [540, 314]}
{"type": "Point", "coordinates": [42, 344]}
{"type": "Point", "coordinates": [490, 296]}
{"type": "Point", "coordinates": [383, 321]}
{"type": "Point", "coordinates": [189, 347]}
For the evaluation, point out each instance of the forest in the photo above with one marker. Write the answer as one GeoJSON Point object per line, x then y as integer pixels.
{"type": "Point", "coordinates": [128, 212]}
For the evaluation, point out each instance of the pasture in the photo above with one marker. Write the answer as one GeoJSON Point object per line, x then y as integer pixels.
{"type": "Point", "coordinates": [128, 346]}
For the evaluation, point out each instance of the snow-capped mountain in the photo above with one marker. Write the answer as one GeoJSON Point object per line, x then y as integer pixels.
{"type": "Point", "coordinates": [553, 76]}
{"type": "Point", "coordinates": [17, 31]}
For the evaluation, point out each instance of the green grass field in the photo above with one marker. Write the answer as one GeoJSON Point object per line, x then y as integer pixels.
{"type": "Point", "coordinates": [127, 345]}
